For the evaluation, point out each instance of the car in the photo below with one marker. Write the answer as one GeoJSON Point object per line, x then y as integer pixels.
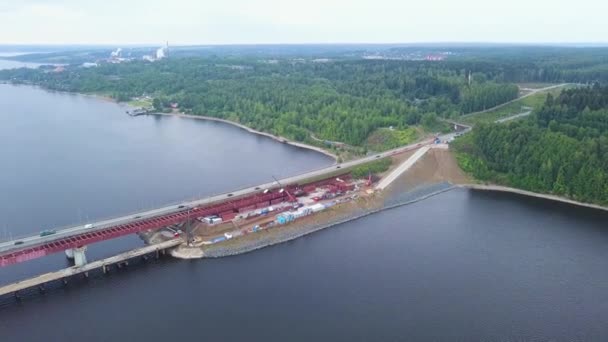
{"type": "Point", "coordinates": [136, 217]}
{"type": "Point", "coordinates": [18, 243]}
{"type": "Point", "coordinates": [47, 232]}
{"type": "Point", "coordinates": [337, 167]}
{"type": "Point", "coordinates": [229, 195]}
{"type": "Point", "coordinates": [181, 206]}
{"type": "Point", "coordinates": [378, 156]}
{"type": "Point", "coordinates": [257, 188]}
{"type": "Point", "coordinates": [88, 225]}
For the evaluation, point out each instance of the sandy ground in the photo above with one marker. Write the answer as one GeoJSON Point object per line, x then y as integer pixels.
{"type": "Point", "coordinates": [435, 166]}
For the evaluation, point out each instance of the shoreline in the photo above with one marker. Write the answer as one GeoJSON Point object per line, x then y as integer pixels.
{"type": "Point", "coordinates": [251, 130]}
{"type": "Point", "coordinates": [181, 252]}
{"type": "Point", "coordinates": [500, 188]}
{"type": "Point", "coordinates": [192, 116]}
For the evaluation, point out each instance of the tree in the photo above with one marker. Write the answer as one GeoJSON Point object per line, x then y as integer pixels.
{"type": "Point", "coordinates": [157, 104]}
{"type": "Point", "coordinates": [429, 120]}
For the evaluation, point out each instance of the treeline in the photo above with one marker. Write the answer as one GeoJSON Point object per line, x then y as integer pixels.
{"type": "Point", "coordinates": [519, 64]}
{"type": "Point", "coordinates": [340, 100]}
{"type": "Point", "coordinates": [563, 149]}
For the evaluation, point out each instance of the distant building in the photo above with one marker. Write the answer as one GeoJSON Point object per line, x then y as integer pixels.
{"type": "Point", "coordinates": [59, 69]}
{"type": "Point", "coordinates": [160, 53]}
{"type": "Point", "coordinates": [434, 57]}
{"type": "Point", "coordinates": [116, 53]}
{"type": "Point", "coordinates": [89, 65]}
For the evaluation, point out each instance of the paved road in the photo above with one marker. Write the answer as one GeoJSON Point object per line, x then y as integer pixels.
{"type": "Point", "coordinates": [31, 241]}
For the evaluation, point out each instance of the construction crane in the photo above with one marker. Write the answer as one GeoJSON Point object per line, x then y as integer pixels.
{"type": "Point", "coordinates": [291, 197]}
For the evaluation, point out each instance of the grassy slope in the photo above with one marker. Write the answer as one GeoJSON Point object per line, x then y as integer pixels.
{"type": "Point", "coordinates": [384, 139]}
{"type": "Point", "coordinates": [534, 101]}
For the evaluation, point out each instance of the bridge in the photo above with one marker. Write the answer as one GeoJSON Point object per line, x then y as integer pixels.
{"type": "Point", "coordinates": [75, 239]}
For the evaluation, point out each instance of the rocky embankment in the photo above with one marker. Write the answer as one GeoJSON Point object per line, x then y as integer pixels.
{"type": "Point", "coordinates": [332, 217]}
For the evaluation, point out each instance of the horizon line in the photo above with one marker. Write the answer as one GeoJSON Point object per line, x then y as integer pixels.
{"type": "Point", "coordinates": [511, 43]}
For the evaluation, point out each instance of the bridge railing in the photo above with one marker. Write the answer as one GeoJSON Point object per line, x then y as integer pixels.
{"type": "Point", "coordinates": [4, 239]}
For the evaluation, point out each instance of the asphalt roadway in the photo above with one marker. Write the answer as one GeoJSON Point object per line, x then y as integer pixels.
{"type": "Point", "coordinates": [36, 240]}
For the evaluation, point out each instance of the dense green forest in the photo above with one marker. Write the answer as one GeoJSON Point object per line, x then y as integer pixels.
{"type": "Point", "coordinates": [562, 149]}
{"type": "Point", "coordinates": [340, 100]}
{"type": "Point", "coordinates": [331, 92]}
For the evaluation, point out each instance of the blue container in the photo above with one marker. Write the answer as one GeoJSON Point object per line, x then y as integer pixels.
{"type": "Point", "coordinates": [219, 239]}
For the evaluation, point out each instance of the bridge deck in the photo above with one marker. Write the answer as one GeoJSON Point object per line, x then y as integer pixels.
{"type": "Point", "coordinates": [68, 272]}
{"type": "Point", "coordinates": [32, 247]}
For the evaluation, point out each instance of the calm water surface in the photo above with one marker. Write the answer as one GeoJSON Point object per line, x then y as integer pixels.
{"type": "Point", "coordinates": [70, 159]}
{"type": "Point", "coordinates": [461, 266]}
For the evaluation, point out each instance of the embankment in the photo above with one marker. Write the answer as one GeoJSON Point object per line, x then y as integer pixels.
{"type": "Point", "coordinates": [284, 234]}
{"type": "Point", "coordinates": [484, 187]}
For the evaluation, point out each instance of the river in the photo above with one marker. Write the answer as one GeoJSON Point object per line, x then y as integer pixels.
{"type": "Point", "coordinates": [463, 265]}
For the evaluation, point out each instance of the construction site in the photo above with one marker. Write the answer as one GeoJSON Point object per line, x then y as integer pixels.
{"type": "Point", "coordinates": [282, 209]}
{"type": "Point", "coordinates": [266, 215]}
{"type": "Point", "coordinates": [272, 207]}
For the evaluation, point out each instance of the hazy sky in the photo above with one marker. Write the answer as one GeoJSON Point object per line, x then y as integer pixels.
{"type": "Point", "coordinates": [303, 21]}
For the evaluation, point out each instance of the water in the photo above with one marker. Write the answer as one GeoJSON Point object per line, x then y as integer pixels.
{"type": "Point", "coordinates": [70, 159]}
{"type": "Point", "coordinates": [464, 266]}
{"type": "Point", "coordinates": [10, 64]}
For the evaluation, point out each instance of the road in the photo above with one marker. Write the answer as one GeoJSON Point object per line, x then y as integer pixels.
{"type": "Point", "coordinates": [36, 240]}
{"type": "Point", "coordinates": [513, 117]}
{"type": "Point", "coordinates": [71, 271]}
{"type": "Point", "coordinates": [535, 91]}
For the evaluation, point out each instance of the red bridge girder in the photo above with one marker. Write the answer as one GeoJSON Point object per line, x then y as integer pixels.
{"type": "Point", "coordinates": [148, 224]}
{"type": "Point", "coordinates": [130, 228]}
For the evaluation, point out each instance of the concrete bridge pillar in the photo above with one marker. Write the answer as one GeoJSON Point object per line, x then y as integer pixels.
{"type": "Point", "coordinates": [78, 254]}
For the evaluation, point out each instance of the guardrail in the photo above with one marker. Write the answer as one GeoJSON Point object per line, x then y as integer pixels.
{"type": "Point", "coordinates": [219, 194]}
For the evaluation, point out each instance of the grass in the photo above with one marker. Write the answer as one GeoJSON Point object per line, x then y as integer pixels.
{"type": "Point", "coordinates": [536, 85]}
{"type": "Point", "coordinates": [374, 166]}
{"type": "Point", "coordinates": [384, 139]}
{"type": "Point", "coordinates": [140, 103]}
{"type": "Point", "coordinates": [534, 102]}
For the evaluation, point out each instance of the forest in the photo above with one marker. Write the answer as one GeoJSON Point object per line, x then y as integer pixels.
{"type": "Point", "coordinates": [562, 149]}
{"type": "Point", "coordinates": [342, 100]}
{"type": "Point", "coordinates": [331, 93]}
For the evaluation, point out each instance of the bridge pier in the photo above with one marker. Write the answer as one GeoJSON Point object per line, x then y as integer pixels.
{"type": "Point", "coordinates": [78, 254]}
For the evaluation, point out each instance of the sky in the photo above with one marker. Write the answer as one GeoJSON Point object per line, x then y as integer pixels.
{"type": "Point", "coordinates": [191, 22]}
